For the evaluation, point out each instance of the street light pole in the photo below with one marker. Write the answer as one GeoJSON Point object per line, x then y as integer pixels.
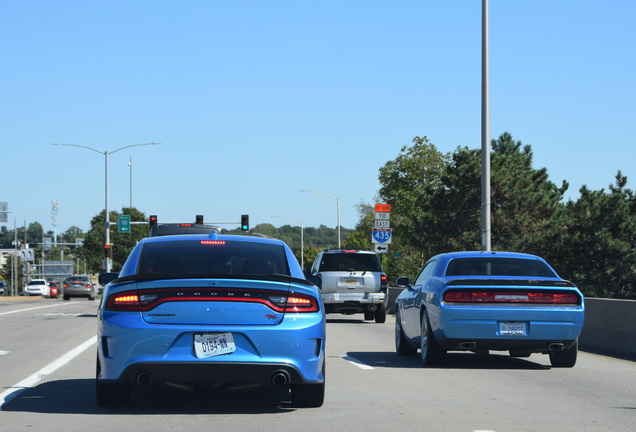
{"type": "Point", "coordinates": [106, 153]}
{"type": "Point", "coordinates": [332, 199]}
{"type": "Point", "coordinates": [302, 240]}
{"type": "Point", "coordinates": [130, 165]}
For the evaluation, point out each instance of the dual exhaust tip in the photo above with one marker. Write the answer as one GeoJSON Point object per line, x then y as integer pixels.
{"type": "Point", "coordinates": [279, 378]}
{"type": "Point", "coordinates": [554, 346]}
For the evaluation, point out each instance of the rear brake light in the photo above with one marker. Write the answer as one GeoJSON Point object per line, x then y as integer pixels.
{"type": "Point", "coordinates": [384, 283]}
{"type": "Point", "coordinates": [150, 299]}
{"type": "Point", "coordinates": [539, 297]}
{"type": "Point", "coordinates": [213, 242]}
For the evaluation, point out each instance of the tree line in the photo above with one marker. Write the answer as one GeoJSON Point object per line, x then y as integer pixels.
{"type": "Point", "coordinates": [435, 203]}
{"type": "Point", "coordinates": [436, 207]}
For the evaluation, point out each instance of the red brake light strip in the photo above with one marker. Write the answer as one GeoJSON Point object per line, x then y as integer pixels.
{"type": "Point", "coordinates": [511, 297]}
{"type": "Point", "coordinates": [150, 299]}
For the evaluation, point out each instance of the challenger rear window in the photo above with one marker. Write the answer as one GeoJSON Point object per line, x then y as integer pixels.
{"type": "Point", "coordinates": [350, 262]}
{"type": "Point", "coordinates": [492, 266]}
{"type": "Point", "coordinates": [192, 257]}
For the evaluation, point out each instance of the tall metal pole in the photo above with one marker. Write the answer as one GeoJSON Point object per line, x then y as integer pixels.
{"type": "Point", "coordinates": [485, 133]}
{"type": "Point", "coordinates": [107, 218]}
{"type": "Point", "coordinates": [332, 199]}
{"type": "Point", "coordinates": [130, 165]}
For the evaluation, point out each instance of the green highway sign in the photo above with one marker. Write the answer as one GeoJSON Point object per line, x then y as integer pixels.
{"type": "Point", "coordinates": [123, 223]}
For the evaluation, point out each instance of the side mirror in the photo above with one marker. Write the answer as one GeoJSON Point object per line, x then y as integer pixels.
{"type": "Point", "coordinates": [313, 279]}
{"type": "Point", "coordinates": [404, 282]}
{"type": "Point", "coordinates": [106, 278]}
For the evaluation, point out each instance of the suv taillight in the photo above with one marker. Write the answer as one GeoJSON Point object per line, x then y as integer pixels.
{"type": "Point", "coordinates": [384, 283]}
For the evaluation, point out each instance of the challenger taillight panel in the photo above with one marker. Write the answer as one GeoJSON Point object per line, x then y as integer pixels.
{"type": "Point", "coordinates": [542, 297]}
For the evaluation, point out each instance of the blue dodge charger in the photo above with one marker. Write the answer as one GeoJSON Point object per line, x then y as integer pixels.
{"type": "Point", "coordinates": [482, 301]}
{"type": "Point", "coordinates": [196, 310]}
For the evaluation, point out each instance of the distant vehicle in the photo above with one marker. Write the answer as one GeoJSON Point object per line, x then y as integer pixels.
{"type": "Point", "coordinates": [182, 228]}
{"type": "Point", "coordinates": [53, 289]}
{"type": "Point", "coordinates": [351, 281]}
{"type": "Point", "coordinates": [78, 286]}
{"type": "Point", "coordinates": [37, 287]}
{"type": "Point", "coordinates": [191, 311]}
{"type": "Point", "coordinates": [481, 301]}
{"type": "Point", "coordinates": [3, 287]}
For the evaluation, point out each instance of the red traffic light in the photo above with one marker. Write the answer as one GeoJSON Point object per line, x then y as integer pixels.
{"type": "Point", "coordinates": [152, 220]}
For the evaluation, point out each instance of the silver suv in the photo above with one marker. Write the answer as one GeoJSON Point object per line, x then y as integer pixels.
{"type": "Point", "coordinates": [351, 281]}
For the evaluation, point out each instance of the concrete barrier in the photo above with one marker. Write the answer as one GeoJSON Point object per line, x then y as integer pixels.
{"type": "Point", "coordinates": [609, 326]}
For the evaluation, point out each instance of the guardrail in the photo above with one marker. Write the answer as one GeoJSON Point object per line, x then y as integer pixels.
{"type": "Point", "coordinates": [609, 326]}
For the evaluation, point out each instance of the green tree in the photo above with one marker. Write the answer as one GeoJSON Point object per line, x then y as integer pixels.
{"type": "Point", "coordinates": [121, 243]}
{"type": "Point", "coordinates": [524, 202]}
{"type": "Point", "coordinates": [406, 183]}
{"type": "Point", "coordinates": [597, 241]}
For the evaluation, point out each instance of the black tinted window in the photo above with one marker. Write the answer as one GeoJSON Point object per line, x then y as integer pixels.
{"type": "Point", "coordinates": [197, 257]}
{"type": "Point", "coordinates": [350, 262]}
{"type": "Point", "coordinates": [489, 266]}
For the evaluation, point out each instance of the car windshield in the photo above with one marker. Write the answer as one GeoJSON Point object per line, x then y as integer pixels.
{"type": "Point", "coordinates": [350, 262]}
{"type": "Point", "coordinates": [192, 257]}
{"type": "Point", "coordinates": [491, 266]}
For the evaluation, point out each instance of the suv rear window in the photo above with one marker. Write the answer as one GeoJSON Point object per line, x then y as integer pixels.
{"type": "Point", "coordinates": [197, 257]}
{"type": "Point", "coordinates": [350, 262]}
{"type": "Point", "coordinates": [498, 267]}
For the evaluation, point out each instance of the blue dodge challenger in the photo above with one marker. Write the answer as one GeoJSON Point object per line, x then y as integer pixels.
{"type": "Point", "coordinates": [482, 301]}
{"type": "Point", "coordinates": [196, 310]}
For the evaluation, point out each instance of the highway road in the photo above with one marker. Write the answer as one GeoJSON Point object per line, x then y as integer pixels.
{"type": "Point", "coordinates": [47, 371]}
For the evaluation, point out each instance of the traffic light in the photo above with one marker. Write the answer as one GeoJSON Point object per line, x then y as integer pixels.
{"type": "Point", "coordinates": [199, 220]}
{"type": "Point", "coordinates": [106, 251]}
{"type": "Point", "coordinates": [245, 222]}
{"type": "Point", "coordinates": [152, 221]}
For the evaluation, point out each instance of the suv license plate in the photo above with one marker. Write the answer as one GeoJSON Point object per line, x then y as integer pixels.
{"type": "Point", "coordinates": [213, 344]}
{"type": "Point", "coordinates": [512, 328]}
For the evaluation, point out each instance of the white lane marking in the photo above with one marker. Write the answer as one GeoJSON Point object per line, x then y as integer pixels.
{"type": "Point", "coordinates": [358, 363]}
{"type": "Point", "coordinates": [37, 307]}
{"type": "Point", "coordinates": [4, 352]}
{"type": "Point", "coordinates": [45, 371]}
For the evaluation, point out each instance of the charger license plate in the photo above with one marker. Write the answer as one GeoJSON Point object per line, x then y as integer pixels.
{"type": "Point", "coordinates": [213, 344]}
{"type": "Point", "coordinates": [512, 328]}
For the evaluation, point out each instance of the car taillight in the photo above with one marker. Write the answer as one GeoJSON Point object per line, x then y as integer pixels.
{"type": "Point", "coordinates": [88, 285]}
{"type": "Point", "coordinates": [531, 297]}
{"type": "Point", "coordinates": [384, 283]}
{"type": "Point", "coordinates": [150, 299]}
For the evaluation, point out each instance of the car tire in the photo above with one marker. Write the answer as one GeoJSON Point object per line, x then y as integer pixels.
{"type": "Point", "coordinates": [402, 347]}
{"type": "Point", "coordinates": [565, 358]}
{"type": "Point", "coordinates": [380, 314]}
{"type": "Point", "coordinates": [309, 395]}
{"type": "Point", "coordinates": [66, 297]}
{"type": "Point", "coordinates": [110, 394]}
{"type": "Point", "coordinates": [430, 351]}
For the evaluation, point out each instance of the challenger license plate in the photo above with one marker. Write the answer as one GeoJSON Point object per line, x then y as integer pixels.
{"type": "Point", "coordinates": [213, 344]}
{"type": "Point", "coordinates": [512, 328]}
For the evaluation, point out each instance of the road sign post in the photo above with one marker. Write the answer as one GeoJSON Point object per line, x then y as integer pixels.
{"type": "Point", "coordinates": [381, 233]}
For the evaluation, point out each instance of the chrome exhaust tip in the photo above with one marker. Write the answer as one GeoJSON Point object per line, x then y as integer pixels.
{"type": "Point", "coordinates": [468, 345]}
{"type": "Point", "coordinates": [556, 347]}
{"type": "Point", "coordinates": [280, 378]}
{"type": "Point", "coordinates": [144, 378]}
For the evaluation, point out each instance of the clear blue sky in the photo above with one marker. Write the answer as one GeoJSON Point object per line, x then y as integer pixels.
{"type": "Point", "coordinates": [253, 101]}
